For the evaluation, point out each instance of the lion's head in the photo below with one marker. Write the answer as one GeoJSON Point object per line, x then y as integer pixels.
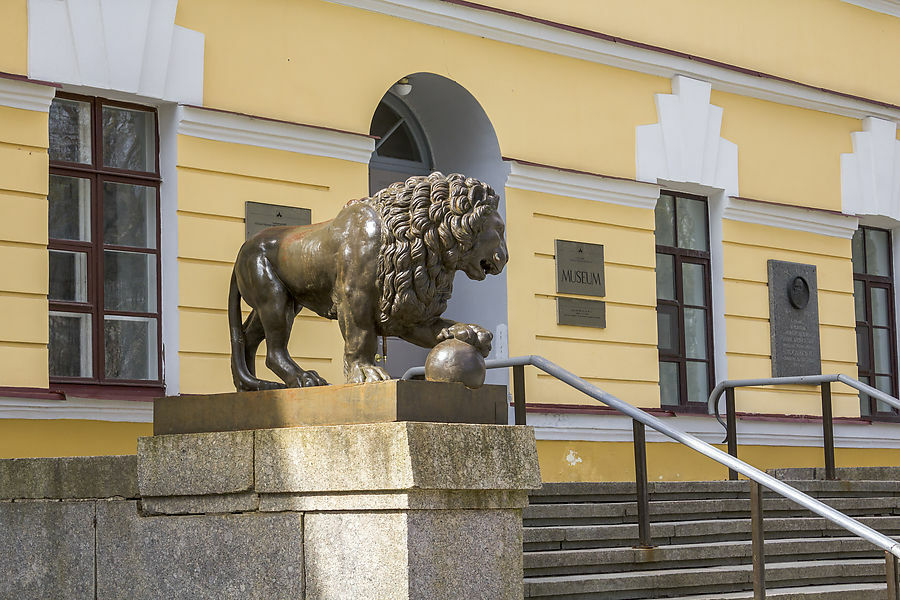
{"type": "Point", "coordinates": [432, 227]}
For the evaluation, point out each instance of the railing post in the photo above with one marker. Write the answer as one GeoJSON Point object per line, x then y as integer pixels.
{"type": "Point", "coordinates": [519, 393]}
{"type": "Point", "coordinates": [731, 428]}
{"type": "Point", "coordinates": [640, 483]}
{"type": "Point", "coordinates": [758, 543]}
{"type": "Point", "coordinates": [828, 430]}
{"type": "Point", "coordinates": [891, 570]}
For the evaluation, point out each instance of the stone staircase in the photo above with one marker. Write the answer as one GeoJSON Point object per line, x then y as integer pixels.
{"type": "Point", "coordinates": [579, 540]}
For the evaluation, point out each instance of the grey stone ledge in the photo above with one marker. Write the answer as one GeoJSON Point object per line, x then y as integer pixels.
{"type": "Point", "coordinates": [199, 505]}
{"type": "Point", "coordinates": [68, 477]}
{"type": "Point", "coordinates": [411, 500]}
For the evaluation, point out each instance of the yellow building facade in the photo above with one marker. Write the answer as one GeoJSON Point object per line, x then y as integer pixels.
{"type": "Point", "coordinates": [778, 123]}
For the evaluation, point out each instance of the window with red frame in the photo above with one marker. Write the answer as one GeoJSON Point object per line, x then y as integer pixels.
{"type": "Point", "coordinates": [104, 243]}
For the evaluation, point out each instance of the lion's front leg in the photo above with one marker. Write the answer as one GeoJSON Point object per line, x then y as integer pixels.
{"type": "Point", "coordinates": [360, 342]}
{"type": "Point", "coordinates": [437, 331]}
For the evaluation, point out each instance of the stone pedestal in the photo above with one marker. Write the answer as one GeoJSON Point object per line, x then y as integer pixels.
{"type": "Point", "coordinates": [399, 510]}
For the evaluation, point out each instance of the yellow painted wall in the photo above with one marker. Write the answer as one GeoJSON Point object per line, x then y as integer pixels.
{"type": "Point", "coordinates": [13, 36]}
{"type": "Point", "coordinates": [747, 249]}
{"type": "Point", "coordinates": [614, 461]}
{"type": "Point", "coordinates": [23, 248]}
{"type": "Point", "coordinates": [23, 438]}
{"type": "Point", "coordinates": [786, 154]}
{"type": "Point", "coordinates": [622, 358]}
{"type": "Point", "coordinates": [215, 179]}
{"type": "Point", "coordinates": [544, 108]}
{"type": "Point", "coordinates": [827, 43]}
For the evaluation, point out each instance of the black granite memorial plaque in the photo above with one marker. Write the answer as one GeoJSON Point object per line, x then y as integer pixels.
{"type": "Point", "coordinates": [581, 313]}
{"type": "Point", "coordinates": [794, 319]}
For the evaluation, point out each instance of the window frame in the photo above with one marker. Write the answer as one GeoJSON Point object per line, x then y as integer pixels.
{"type": "Point", "coordinates": [420, 139]}
{"type": "Point", "coordinates": [681, 256]}
{"type": "Point", "coordinates": [885, 282]}
{"type": "Point", "coordinates": [98, 385]}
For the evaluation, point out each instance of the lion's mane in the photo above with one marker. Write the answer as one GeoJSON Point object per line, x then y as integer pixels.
{"type": "Point", "coordinates": [428, 225]}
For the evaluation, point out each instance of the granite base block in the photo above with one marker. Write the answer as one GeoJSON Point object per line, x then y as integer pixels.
{"type": "Point", "coordinates": [69, 477]}
{"type": "Point", "coordinates": [414, 555]}
{"type": "Point", "coordinates": [222, 557]}
{"type": "Point", "coordinates": [47, 550]}
{"type": "Point", "coordinates": [199, 505]}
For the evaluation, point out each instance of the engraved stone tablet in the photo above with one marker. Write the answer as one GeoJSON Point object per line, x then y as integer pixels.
{"type": "Point", "coordinates": [794, 319]}
{"type": "Point", "coordinates": [259, 216]}
{"type": "Point", "coordinates": [582, 313]}
{"type": "Point", "coordinates": [579, 269]}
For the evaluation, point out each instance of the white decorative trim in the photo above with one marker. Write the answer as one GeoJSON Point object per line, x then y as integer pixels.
{"type": "Point", "coordinates": [685, 144]}
{"type": "Point", "coordinates": [557, 40]}
{"type": "Point", "coordinates": [131, 46]}
{"type": "Point", "coordinates": [888, 7]}
{"type": "Point", "coordinates": [618, 428]}
{"type": "Point", "coordinates": [129, 411]}
{"type": "Point", "coordinates": [581, 185]}
{"type": "Point", "coordinates": [790, 217]}
{"type": "Point", "coordinates": [870, 176]}
{"type": "Point", "coordinates": [278, 135]}
{"type": "Point", "coordinates": [168, 222]}
{"type": "Point", "coordinates": [26, 95]}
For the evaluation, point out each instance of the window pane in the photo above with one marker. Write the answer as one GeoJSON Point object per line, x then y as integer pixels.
{"type": "Point", "coordinates": [692, 230]}
{"type": "Point", "coordinates": [695, 333]}
{"type": "Point", "coordinates": [665, 276]}
{"type": "Point", "coordinates": [667, 326]}
{"type": "Point", "coordinates": [129, 139]}
{"type": "Point", "coordinates": [129, 281]}
{"type": "Point", "coordinates": [130, 348]}
{"type": "Point", "coordinates": [668, 384]}
{"type": "Point", "coordinates": [885, 385]}
{"type": "Point", "coordinates": [865, 405]}
{"type": "Point", "coordinates": [400, 144]}
{"type": "Point", "coordinates": [665, 221]}
{"type": "Point", "coordinates": [70, 131]}
{"type": "Point", "coordinates": [858, 251]}
{"type": "Point", "coordinates": [70, 344]}
{"type": "Point", "coordinates": [70, 208]}
{"type": "Point", "coordinates": [880, 307]}
{"type": "Point", "coordinates": [862, 349]}
{"type": "Point", "coordinates": [129, 215]}
{"type": "Point", "coordinates": [694, 281]}
{"type": "Point", "coordinates": [882, 346]}
{"type": "Point", "coordinates": [878, 252]}
{"type": "Point", "coordinates": [859, 300]}
{"type": "Point", "coordinates": [698, 381]}
{"type": "Point", "coordinates": [68, 276]}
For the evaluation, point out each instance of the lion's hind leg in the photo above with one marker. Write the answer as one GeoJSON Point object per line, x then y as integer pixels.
{"type": "Point", "coordinates": [254, 334]}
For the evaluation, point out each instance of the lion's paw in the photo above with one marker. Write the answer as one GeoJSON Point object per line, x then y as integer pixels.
{"type": "Point", "coordinates": [474, 335]}
{"type": "Point", "coordinates": [362, 373]}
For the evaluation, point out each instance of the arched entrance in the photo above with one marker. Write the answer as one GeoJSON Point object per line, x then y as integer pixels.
{"type": "Point", "coordinates": [432, 123]}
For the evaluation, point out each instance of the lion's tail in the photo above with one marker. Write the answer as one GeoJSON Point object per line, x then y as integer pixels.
{"type": "Point", "coordinates": [243, 379]}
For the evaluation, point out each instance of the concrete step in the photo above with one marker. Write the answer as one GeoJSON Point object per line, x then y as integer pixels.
{"type": "Point", "coordinates": [563, 537]}
{"type": "Point", "coordinates": [541, 515]}
{"type": "Point", "coordinates": [669, 583]}
{"type": "Point", "coordinates": [620, 491]}
{"type": "Point", "coordinates": [681, 556]}
{"type": "Point", "coordinates": [860, 591]}
{"type": "Point", "coordinates": [842, 473]}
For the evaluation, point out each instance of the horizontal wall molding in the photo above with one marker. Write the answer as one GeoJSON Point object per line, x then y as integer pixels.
{"type": "Point", "coordinates": [547, 36]}
{"type": "Point", "coordinates": [790, 217]}
{"type": "Point", "coordinates": [27, 95]}
{"type": "Point", "coordinates": [618, 428]}
{"type": "Point", "coordinates": [77, 408]}
{"type": "Point", "coordinates": [888, 7]}
{"type": "Point", "coordinates": [573, 184]}
{"type": "Point", "coordinates": [236, 128]}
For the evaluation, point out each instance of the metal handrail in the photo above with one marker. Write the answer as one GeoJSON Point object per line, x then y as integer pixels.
{"type": "Point", "coordinates": [888, 545]}
{"type": "Point", "coordinates": [714, 396]}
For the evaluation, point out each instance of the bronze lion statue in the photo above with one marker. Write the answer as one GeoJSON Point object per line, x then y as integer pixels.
{"type": "Point", "coordinates": [383, 266]}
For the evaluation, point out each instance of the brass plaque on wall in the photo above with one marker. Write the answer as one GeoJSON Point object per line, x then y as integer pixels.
{"type": "Point", "coordinates": [579, 269]}
{"type": "Point", "coordinates": [260, 216]}
{"type": "Point", "coordinates": [581, 313]}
